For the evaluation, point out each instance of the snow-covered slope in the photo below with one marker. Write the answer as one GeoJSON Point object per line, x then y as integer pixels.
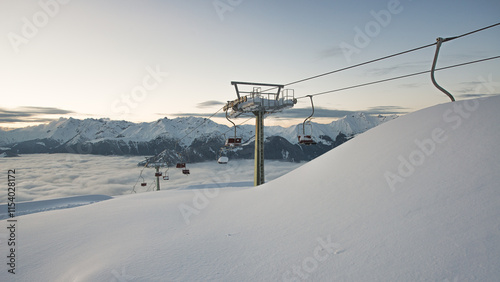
{"type": "Point", "coordinates": [415, 199]}
{"type": "Point", "coordinates": [46, 205]}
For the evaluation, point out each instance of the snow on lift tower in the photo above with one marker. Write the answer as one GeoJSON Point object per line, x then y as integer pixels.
{"type": "Point", "coordinates": [304, 138]}
{"type": "Point", "coordinates": [259, 103]}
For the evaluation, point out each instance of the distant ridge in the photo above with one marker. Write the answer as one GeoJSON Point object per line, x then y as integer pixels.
{"type": "Point", "coordinates": [113, 137]}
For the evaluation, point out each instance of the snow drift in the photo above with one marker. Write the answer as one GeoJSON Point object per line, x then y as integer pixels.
{"type": "Point", "coordinates": [414, 199]}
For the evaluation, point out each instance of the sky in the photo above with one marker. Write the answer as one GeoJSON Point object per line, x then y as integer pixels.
{"type": "Point", "coordinates": [144, 60]}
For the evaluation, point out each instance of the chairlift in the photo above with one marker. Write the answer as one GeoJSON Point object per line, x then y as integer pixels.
{"type": "Point", "coordinates": [182, 165]}
{"type": "Point", "coordinates": [165, 175]}
{"type": "Point", "coordinates": [304, 138]}
{"type": "Point", "coordinates": [158, 174]}
{"type": "Point", "coordinates": [223, 160]}
{"type": "Point", "coordinates": [143, 183]}
{"type": "Point", "coordinates": [232, 142]}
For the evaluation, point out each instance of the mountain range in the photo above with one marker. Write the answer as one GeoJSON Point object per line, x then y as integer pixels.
{"type": "Point", "coordinates": [188, 139]}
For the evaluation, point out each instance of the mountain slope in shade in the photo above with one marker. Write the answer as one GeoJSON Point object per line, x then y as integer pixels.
{"type": "Point", "coordinates": [415, 199]}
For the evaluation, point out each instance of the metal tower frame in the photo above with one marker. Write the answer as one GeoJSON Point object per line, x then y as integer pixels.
{"type": "Point", "coordinates": [259, 104]}
{"type": "Point", "coordinates": [157, 166]}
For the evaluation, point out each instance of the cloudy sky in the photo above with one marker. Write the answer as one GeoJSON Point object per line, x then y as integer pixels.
{"type": "Point", "coordinates": [144, 60]}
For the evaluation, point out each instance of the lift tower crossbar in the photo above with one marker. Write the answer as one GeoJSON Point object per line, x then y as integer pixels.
{"type": "Point", "coordinates": [259, 104]}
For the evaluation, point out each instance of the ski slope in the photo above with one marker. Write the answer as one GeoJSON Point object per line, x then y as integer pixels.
{"type": "Point", "coordinates": [414, 199]}
{"type": "Point", "coordinates": [23, 208]}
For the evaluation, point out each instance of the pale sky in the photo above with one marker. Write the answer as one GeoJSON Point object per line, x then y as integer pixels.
{"type": "Point", "coordinates": [144, 60]}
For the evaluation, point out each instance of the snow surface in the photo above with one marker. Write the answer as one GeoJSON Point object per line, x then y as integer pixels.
{"type": "Point", "coordinates": [54, 204]}
{"type": "Point", "coordinates": [415, 199]}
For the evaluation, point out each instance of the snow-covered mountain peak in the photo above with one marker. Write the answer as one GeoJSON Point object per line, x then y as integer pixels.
{"type": "Point", "coordinates": [123, 136]}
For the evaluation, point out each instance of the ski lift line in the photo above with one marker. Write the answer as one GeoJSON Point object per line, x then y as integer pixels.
{"type": "Point", "coordinates": [358, 65]}
{"type": "Point", "coordinates": [224, 133]}
{"type": "Point", "coordinates": [472, 32]}
{"type": "Point", "coordinates": [361, 64]}
{"type": "Point", "coordinates": [177, 143]}
{"type": "Point", "coordinates": [386, 57]}
{"type": "Point", "coordinates": [186, 135]}
{"type": "Point", "coordinates": [398, 77]}
{"type": "Point", "coordinates": [354, 86]}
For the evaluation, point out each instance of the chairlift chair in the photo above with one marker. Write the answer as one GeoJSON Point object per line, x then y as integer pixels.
{"type": "Point", "coordinates": [232, 141]}
{"type": "Point", "coordinates": [180, 165]}
{"type": "Point", "coordinates": [185, 171]}
{"type": "Point", "coordinates": [304, 138]}
{"type": "Point", "coordinates": [143, 183]}
{"type": "Point", "coordinates": [165, 175]}
{"type": "Point", "coordinates": [223, 160]}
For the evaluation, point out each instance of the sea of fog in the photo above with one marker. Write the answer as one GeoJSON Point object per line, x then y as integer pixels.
{"type": "Point", "coordinates": [52, 176]}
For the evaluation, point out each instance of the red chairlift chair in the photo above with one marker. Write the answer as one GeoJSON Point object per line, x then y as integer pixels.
{"type": "Point", "coordinates": [233, 142]}
{"type": "Point", "coordinates": [306, 140]}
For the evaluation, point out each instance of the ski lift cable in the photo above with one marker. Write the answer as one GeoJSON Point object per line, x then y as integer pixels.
{"type": "Point", "coordinates": [358, 65]}
{"type": "Point", "coordinates": [137, 181]}
{"type": "Point", "coordinates": [224, 133]}
{"type": "Point", "coordinates": [186, 135]}
{"type": "Point", "coordinates": [350, 87]}
{"type": "Point", "coordinates": [386, 57]}
{"type": "Point", "coordinates": [397, 77]}
{"type": "Point", "coordinates": [177, 143]}
{"type": "Point", "coordinates": [471, 32]}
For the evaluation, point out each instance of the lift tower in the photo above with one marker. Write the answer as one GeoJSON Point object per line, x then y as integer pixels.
{"type": "Point", "coordinates": [158, 174]}
{"type": "Point", "coordinates": [259, 103]}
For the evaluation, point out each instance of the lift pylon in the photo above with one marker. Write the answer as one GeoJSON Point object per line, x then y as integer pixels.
{"type": "Point", "coordinates": [158, 174]}
{"type": "Point", "coordinates": [259, 104]}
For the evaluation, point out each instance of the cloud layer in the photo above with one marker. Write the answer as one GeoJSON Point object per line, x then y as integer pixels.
{"type": "Point", "coordinates": [30, 114]}
{"type": "Point", "coordinates": [51, 176]}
